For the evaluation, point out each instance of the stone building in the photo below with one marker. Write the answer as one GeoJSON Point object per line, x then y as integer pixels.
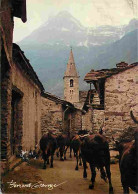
{"type": "Point", "coordinates": [21, 107]}
{"type": "Point", "coordinates": [26, 101]}
{"type": "Point", "coordinates": [20, 90]}
{"type": "Point", "coordinates": [117, 91]}
{"type": "Point", "coordinates": [9, 10]}
{"type": "Point", "coordinates": [56, 114]}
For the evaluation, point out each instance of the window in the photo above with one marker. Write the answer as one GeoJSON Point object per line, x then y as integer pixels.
{"type": "Point", "coordinates": [71, 83]}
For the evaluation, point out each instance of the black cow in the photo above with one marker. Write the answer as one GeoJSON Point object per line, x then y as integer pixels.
{"type": "Point", "coordinates": [76, 146]}
{"type": "Point", "coordinates": [95, 150]}
{"type": "Point", "coordinates": [63, 143]}
{"type": "Point", "coordinates": [48, 145]}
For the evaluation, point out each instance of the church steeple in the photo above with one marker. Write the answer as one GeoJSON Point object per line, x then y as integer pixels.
{"type": "Point", "coordinates": [71, 67]}
{"type": "Point", "coordinates": [71, 81]}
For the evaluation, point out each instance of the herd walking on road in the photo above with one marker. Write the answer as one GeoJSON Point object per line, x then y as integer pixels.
{"type": "Point", "coordinates": [94, 149]}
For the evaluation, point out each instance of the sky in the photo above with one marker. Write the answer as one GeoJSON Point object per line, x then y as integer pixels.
{"type": "Point", "coordinates": [91, 13]}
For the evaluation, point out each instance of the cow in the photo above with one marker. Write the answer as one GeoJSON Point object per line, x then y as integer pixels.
{"type": "Point", "coordinates": [128, 165]}
{"type": "Point", "coordinates": [95, 151]}
{"type": "Point", "coordinates": [128, 158]}
{"type": "Point", "coordinates": [76, 146]}
{"type": "Point", "coordinates": [48, 145]}
{"type": "Point", "coordinates": [63, 143]}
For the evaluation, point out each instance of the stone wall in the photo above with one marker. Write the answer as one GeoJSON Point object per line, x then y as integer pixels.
{"type": "Point", "coordinates": [57, 118]}
{"type": "Point", "coordinates": [93, 119]}
{"type": "Point", "coordinates": [76, 121]}
{"type": "Point", "coordinates": [87, 120]}
{"type": "Point", "coordinates": [5, 115]}
{"type": "Point", "coordinates": [98, 120]}
{"type": "Point", "coordinates": [6, 35]}
{"type": "Point", "coordinates": [51, 118]}
{"type": "Point", "coordinates": [30, 110]}
{"type": "Point", "coordinates": [121, 94]}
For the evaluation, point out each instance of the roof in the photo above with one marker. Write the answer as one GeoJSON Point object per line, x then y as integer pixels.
{"type": "Point", "coordinates": [19, 9]}
{"type": "Point", "coordinates": [105, 73]}
{"type": "Point", "coordinates": [56, 99]}
{"type": "Point", "coordinates": [20, 59]}
{"type": "Point", "coordinates": [71, 67]}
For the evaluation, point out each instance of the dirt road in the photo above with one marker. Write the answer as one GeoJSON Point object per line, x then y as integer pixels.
{"type": "Point", "coordinates": [63, 173]}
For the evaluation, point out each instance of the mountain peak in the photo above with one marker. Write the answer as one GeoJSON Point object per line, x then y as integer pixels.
{"type": "Point", "coordinates": [64, 21]}
{"type": "Point", "coordinates": [64, 14]}
{"type": "Point", "coordinates": [133, 21]}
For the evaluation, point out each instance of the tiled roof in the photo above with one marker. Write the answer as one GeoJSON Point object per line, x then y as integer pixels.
{"type": "Point", "coordinates": [56, 99]}
{"type": "Point", "coordinates": [104, 73]}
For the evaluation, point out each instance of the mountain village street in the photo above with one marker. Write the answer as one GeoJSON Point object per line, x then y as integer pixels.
{"type": "Point", "coordinates": [63, 174]}
{"type": "Point", "coordinates": [66, 85]}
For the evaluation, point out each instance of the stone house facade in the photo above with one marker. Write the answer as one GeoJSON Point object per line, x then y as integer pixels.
{"type": "Point", "coordinates": [21, 97]}
{"type": "Point", "coordinates": [58, 115]}
{"type": "Point", "coordinates": [117, 91]}
{"type": "Point", "coordinates": [121, 96]}
{"type": "Point", "coordinates": [51, 118]}
{"type": "Point", "coordinates": [28, 106]}
{"type": "Point", "coordinates": [9, 10]}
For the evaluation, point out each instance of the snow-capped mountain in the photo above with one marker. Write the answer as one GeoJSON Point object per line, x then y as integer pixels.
{"type": "Point", "coordinates": [48, 48]}
{"type": "Point", "coordinates": [64, 29]}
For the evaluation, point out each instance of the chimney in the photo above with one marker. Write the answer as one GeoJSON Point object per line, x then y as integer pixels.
{"type": "Point", "coordinates": [122, 65]}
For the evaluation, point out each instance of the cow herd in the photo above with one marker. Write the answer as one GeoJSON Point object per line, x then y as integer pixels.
{"type": "Point", "coordinates": [94, 149]}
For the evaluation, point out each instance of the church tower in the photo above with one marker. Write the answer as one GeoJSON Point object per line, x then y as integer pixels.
{"type": "Point", "coordinates": [71, 81]}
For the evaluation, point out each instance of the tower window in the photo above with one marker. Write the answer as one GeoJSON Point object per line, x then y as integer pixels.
{"type": "Point", "coordinates": [71, 83]}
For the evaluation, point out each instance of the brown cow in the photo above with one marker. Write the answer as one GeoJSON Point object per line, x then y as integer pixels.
{"type": "Point", "coordinates": [76, 146]}
{"type": "Point", "coordinates": [128, 157]}
{"type": "Point", "coordinates": [95, 150]}
{"type": "Point", "coordinates": [128, 161]}
{"type": "Point", "coordinates": [128, 165]}
{"type": "Point", "coordinates": [48, 145]}
{"type": "Point", "coordinates": [63, 143]}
